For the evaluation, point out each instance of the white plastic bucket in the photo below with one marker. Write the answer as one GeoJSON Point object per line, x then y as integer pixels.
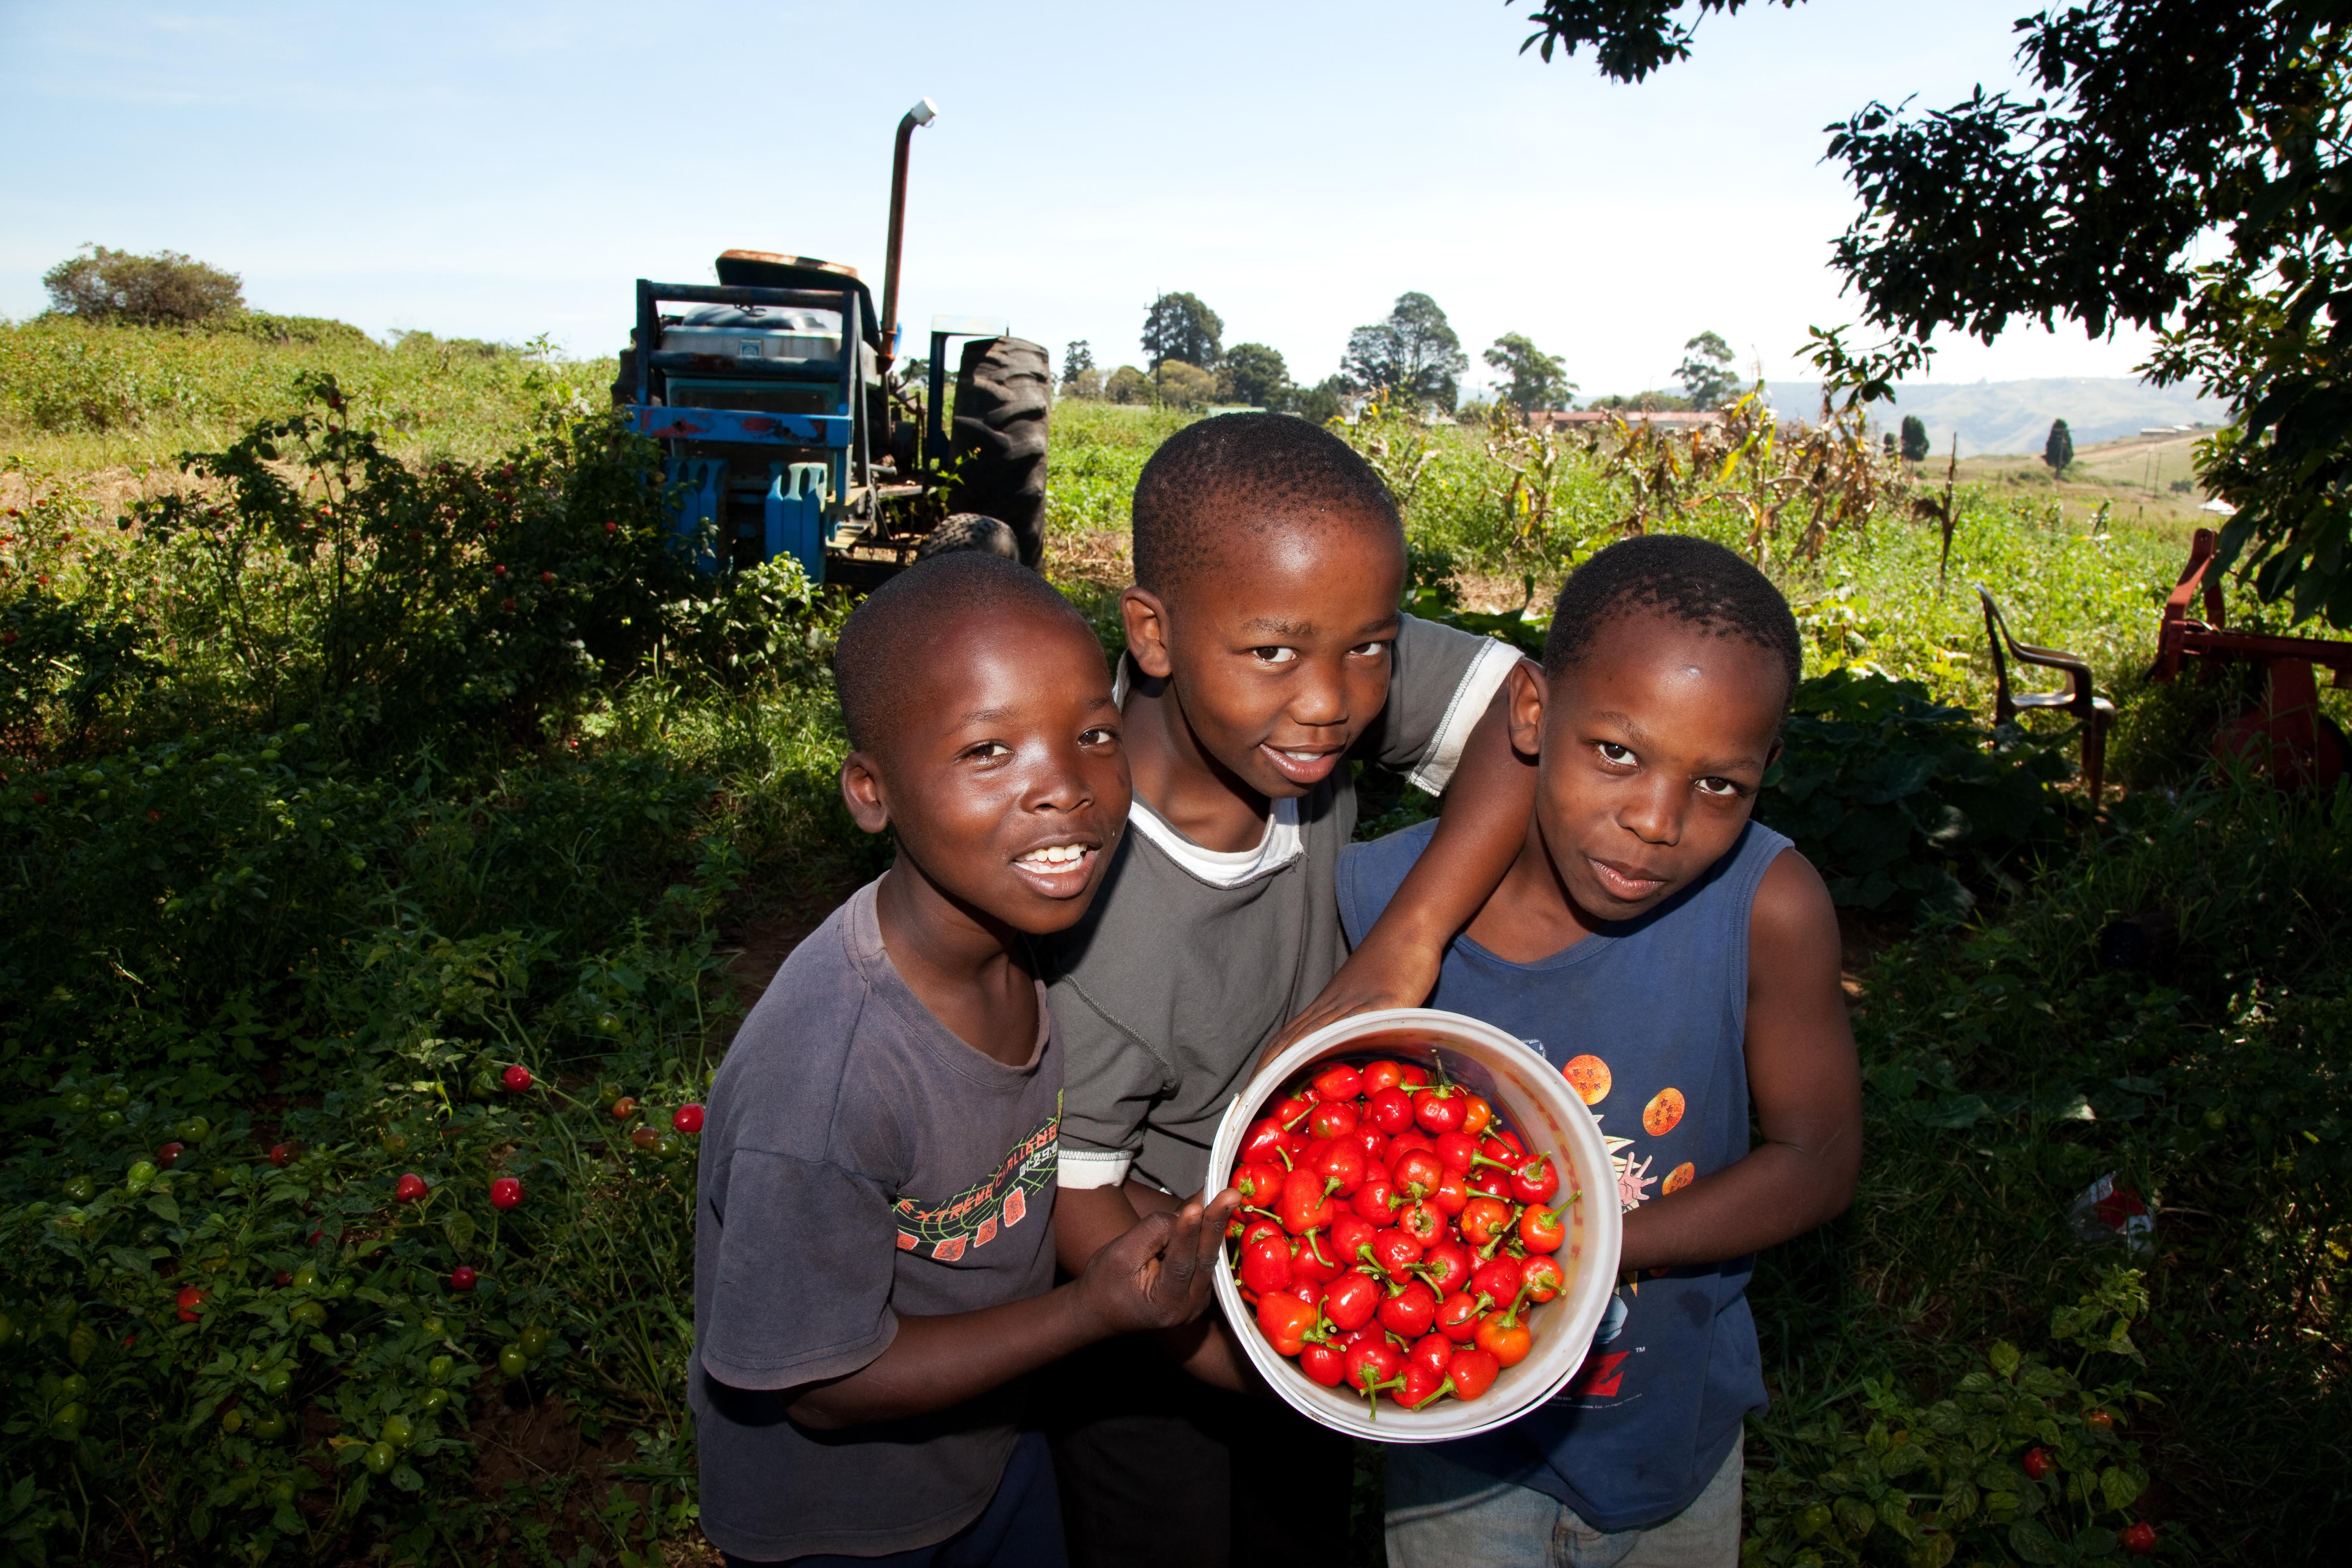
{"type": "Point", "coordinates": [1535, 1101]}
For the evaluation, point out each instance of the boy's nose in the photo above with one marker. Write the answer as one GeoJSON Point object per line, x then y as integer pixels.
{"type": "Point", "coordinates": [1653, 816]}
{"type": "Point", "coordinates": [1058, 783]}
{"type": "Point", "coordinates": [1320, 700]}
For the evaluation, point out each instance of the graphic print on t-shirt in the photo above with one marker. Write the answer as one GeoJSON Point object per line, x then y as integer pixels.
{"type": "Point", "coordinates": [973, 1217]}
{"type": "Point", "coordinates": [1601, 1377]}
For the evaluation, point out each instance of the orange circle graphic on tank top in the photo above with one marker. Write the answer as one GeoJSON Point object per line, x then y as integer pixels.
{"type": "Point", "coordinates": [1663, 1112]}
{"type": "Point", "coordinates": [1588, 1075]}
{"type": "Point", "coordinates": [1678, 1178]}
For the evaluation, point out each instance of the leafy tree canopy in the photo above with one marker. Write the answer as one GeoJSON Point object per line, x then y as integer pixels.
{"type": "Point", "coordinates": [2059, 450]}
{"type": "Point", "coordinates": [1323, 402]}
{"type": "Point", "coordinates": [166, 289]}
{"type": "Point", "coordinates": [1641, 403]}
{"type": "Point", "coordinates": [1179, 326]}
{"type": "Point", "coordinates": [1415, 354]}
{"type": "Point", "coordinates": [1915, 438]}
{"type": "Point", "coordinates": [1534, 379]}
{"type": "Point", "coordinates": [1128, 384]}
{"type": "Point", "coordinates": [1705, 373]}
{"type": "Point", "coordinates": [2150, 123]}
{"type": "Point", "coordinates": [1076, 360]}
{"type": "Point", "coordinates": [1181, 385]}
{"type": "Point", "coordinates": [1257, 376]}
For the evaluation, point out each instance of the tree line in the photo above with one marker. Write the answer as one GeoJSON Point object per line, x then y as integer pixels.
{"type": "Point", "coordinates": [1413, 355]}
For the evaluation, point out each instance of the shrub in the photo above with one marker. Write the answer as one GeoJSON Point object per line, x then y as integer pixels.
{"type": "Point", "coordinates": [263, 327]}
{"type": "Point", "coordinates": [166, 289]}
{"type": "Point", "coordinates": [393, 603]}
{"type": "Point", "coordinates": [1894, 799]}
{"type": "Point", "coordinates": [2020, 1459]}
{"type": "Point", "coordinates": [1181, 385]}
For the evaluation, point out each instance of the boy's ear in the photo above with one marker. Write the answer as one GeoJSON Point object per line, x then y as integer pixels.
{"type": "Point", "coordinates": [862, 791]}
{"type": "Point", "coordinates": [1146, 616]}
{"type": "Point", "coordinates": [1523, 700]}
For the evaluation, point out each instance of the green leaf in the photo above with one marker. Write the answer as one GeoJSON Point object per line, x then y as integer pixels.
{"type": "Point", "coordinates": [2119, 1488]}
{"type": "Point", "coordinates": [459, 1227]}
{"type": "Point", "coordinates": [2031, 1542]}
{"type": "Point", "coordinates": [1954, 1111]}
{"type": "Point", "coordinates": [2004, 1358]}
{"type": "Point", "coordinates": [1933, 1551]}
{"type": "Point", "coordinates": [163, 1206]}
{"type": "Point", "coordinates": [1960, 1502]}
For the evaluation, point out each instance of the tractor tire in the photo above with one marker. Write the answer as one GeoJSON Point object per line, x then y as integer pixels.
{"type": "Point", "coordinates": [1004, 389]}
{"type": "Point", "coordinates": [969, 531]}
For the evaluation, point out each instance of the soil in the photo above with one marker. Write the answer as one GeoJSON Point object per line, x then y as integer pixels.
{"type": "Point", "coordinates": [523, 1444]}
{"type": "Point", "coordinates": [756, 949]}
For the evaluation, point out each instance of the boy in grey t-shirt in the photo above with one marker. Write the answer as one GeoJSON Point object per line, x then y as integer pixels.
{"type": "Point", "coordinates": [1264, 653]}
{"type": "Point", "coordinates": [872, 1267]}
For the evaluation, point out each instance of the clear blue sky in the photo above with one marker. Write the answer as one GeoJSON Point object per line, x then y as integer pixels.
{"type": "Point", "coordinates": [502, 171]}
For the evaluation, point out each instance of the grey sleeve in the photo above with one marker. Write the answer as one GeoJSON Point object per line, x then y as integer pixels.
{"type": "Point", "coordinates": [1439, 687]}
{"type": "Point", "coordinates": [807, 1253]}
{"type": "Point", "coordinates": [1110, 1082]}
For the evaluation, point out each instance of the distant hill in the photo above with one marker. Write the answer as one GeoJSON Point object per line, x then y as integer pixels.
{"type": "Point", "coordinates": [2015, 416]}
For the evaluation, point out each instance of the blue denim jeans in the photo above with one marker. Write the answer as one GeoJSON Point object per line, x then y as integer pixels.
{"type": "Point", "coordinates": [1441, 1515]}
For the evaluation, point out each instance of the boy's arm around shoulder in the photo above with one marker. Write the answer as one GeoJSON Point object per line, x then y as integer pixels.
{"type": "Point", "coordinates": [1803, 1081]}
{"type": "Point", "coordinates": [1480, 828]}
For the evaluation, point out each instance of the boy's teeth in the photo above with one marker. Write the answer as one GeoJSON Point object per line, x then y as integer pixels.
{"type": "Point", "coordinates": [1055, 854]}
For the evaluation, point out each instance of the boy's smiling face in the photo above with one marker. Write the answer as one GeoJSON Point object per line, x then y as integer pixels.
{"type": "Point", "coordinates": [1002, 775]}
{"type": "Point", "coordinates": [1652, 749]}
{"type": "Point", "coordinates": [1279, 650]}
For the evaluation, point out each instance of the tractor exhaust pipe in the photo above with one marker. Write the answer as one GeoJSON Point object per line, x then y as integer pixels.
{"type": "Point", "coordinates": [922, 113]}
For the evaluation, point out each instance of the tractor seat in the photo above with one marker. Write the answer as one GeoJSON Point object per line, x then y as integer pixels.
{"type": "Point", "coordinates": [764, 319]}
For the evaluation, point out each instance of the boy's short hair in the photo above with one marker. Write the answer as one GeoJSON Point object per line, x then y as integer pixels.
{"type": "Point", "coordinates": [1695, 581]}
{"type": "Point", "coordinates": [888, 638]}
{"type": "Point", "coordinates": [1185, 512]}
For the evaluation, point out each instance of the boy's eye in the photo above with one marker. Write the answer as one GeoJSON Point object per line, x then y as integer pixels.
{"type": "Point", "coordinates": [988, 750]}
{"type": "Point", "coordinates": [1370, 649]}
{"type": "Point", "coordinates": [1615, 754]}
{"type": "Point", "coordinates": [1722, 787]}
{"type": "Point", "coordinates": [1274, 655]}
{"type": "Point", "coordinates": [1100, 735]}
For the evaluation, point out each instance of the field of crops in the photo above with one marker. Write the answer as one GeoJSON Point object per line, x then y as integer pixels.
{"type": "Point", "coordinates": [361, 770]}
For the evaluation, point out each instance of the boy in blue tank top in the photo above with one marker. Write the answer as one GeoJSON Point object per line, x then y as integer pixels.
{"type": "Point", "coordinates": [1679, 963]}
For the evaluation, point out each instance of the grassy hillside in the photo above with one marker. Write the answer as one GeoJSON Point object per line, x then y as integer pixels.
{"type": "Point", "coordinates": [101, 404]}
{"type": "Point", "coordinates": [2015, 416]}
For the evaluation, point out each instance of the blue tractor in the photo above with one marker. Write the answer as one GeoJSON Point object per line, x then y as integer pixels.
{"type": "Point", "coordinates": [789, 430]}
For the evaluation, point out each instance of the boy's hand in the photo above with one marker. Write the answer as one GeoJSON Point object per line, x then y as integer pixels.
{"type": "Point", "coordinates": [1393, 968]}
{"type": "Point", "coordinates": [1157, 1275]}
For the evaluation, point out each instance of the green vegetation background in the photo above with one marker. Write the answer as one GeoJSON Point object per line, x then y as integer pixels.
{"type": "Point", "coordinates": [276, 880]}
